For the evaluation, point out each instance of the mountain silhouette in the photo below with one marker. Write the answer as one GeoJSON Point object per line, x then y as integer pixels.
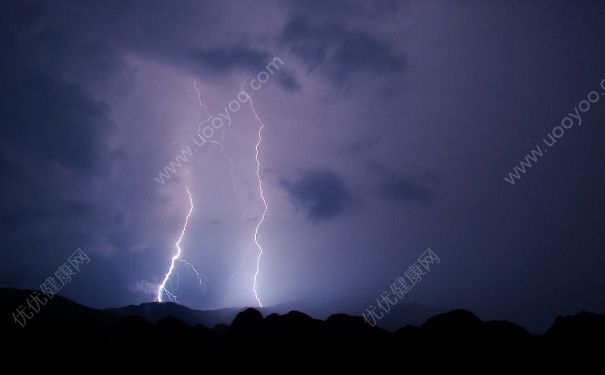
{"type": "Point", "coordinates": [168, 330]}
{"type": "Point", "coordinates": [154, 312]}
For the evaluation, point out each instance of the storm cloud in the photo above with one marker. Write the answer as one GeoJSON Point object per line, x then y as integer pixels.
{"type": "Point", "coordinates": [97, 97]}
{"type": "Point", "coordinates": [339, 52]}
{"type": "Point", "coordinates": [320, 194]}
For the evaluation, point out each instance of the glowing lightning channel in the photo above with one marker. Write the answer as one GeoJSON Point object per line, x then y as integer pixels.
{"type": "Point", "coordinates": [209, 118]}
{"type": "Point", "coordinates": [199, 276]}
{"type": "Point", "coordinates": [177, 256]}
{"type": "Point", "coordinates": [162, 288]}
{"type": "Point", "coordinates": [262, 196]}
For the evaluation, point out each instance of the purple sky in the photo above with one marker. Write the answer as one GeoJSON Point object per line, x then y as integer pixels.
{"type": "Point", "coordinates": [389, 129]}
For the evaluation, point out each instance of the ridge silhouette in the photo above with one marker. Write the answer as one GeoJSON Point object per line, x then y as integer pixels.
{"type": "Point", "coordinates": [457, 333]}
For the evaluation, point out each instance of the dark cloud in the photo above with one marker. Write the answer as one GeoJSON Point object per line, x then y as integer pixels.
{"type": "Point", "coordinates": [341, 52]}
{"type": "Point", "coordinates": [53, 136]}
{"type": "Point", "coordinates": [54, 120]}
{"type": "Point", "coordinates": [243, 58]}
{"type": "Point", "coordinates": [346, 8]}
{"type": "Point", "coordinates": [322, 194]}
{"type": "Point", "coordinates": [360, 146]}
{"type": "Point", "coordinates": [53, 141]}
{"type": "Point", "coordinates": [288, 81]}
{"type": "Point", "coordinates": [224, 60]}
{"type": "Point", "coordinates": [42, 111]}
{"type": "Point", "coordinates": [405, 188]}
{"type": "Point", "coordinates": [360, 52]}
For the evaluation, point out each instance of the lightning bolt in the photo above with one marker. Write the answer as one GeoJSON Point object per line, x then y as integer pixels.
{"type": "Point", "coordinates": [163, 289]}
{"type": "Point", "coordinates": [199, 276]}
{"type": "Point", "coordinates": [262, 196]}
{"type": "Point", "coordinates": [220, 144]}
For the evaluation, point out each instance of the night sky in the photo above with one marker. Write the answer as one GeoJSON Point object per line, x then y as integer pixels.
{"type": "Point", "coordinates": [391, 127]}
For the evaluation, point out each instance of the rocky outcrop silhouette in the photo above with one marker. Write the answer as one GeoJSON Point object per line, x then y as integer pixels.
{"type": "Point", "coordinates": [584, 326]}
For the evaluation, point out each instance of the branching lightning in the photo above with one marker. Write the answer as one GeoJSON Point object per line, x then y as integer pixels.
{"type": "Point", "coordinates": [200, 277]}
{"type": "Point", "coordinates": [177, 257]}
{"type": "Point", "coordinates": [163, 289]}
{"type": "Point", "coordinates": [220, 144]}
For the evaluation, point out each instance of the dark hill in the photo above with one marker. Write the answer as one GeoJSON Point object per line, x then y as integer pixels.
{"type": "Point", "coordinates": [154, 312]}
{"type": "Point", "coordinates": [167, 330]}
